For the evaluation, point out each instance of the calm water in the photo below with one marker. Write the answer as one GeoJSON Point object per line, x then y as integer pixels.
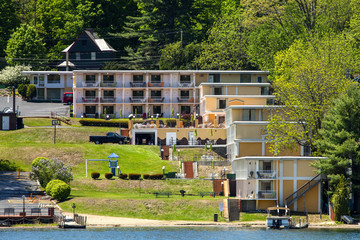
{"type": "Point", "coordinates": [223, 233]}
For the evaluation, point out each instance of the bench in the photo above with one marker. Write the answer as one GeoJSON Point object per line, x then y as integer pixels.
{"type": "Point", "coordinates": [162, 193]}
{"type": "Point", "coordinates": [202, 194]}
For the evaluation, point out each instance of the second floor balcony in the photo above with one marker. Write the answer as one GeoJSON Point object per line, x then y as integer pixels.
{"type": "Point", "coordinates": [108, 99]}
{"type": "Point", "coordinates": [137, 99]}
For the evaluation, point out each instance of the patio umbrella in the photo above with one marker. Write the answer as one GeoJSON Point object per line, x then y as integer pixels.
{"type": "Point", "coordinates": [120, 113]}
{"type": "Point", "coordinates": [205, 148]}
{"type": "Point", "coordinates": [172, 113]}
{"type": "Point", "coordinates": [211, 133]}
{"type": "Point", "coordinates": [135, 112]}
{"type": "Point", "coordinates": [195, 133]}
{"type": "Point", "coordinates": [192, 118]}
{"type": "Point", "coordinates": [213, 164]}
{"type": "Point", "coordinates": [210, 146]}
{"type": "Point", "coordinates": [149, 113]}
{"type": "Point", "coordinates": [174, 148]}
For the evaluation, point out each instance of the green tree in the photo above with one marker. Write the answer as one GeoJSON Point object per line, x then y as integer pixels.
{"type": "Point", "coordinates": [31, 91]}
{"type": "Point", "coordinates": [225, 47]}
{"type": "Point", "coordinates": [174, 56]}
{"type": "Point", "coordinates": [308, 77]}
{"type": "Point", "coordinates": [9, 21]}
{"type": "Point", "coordinates": [25, 47]}
{"type": "Point", "coordinates": [340, 198]}
{"type": "Point", "coordinates": [339, 142]}
{"type": "Point", "coordinates": [12, 75]}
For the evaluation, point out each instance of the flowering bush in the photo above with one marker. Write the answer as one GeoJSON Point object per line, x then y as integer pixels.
{"type": "Point", "coordinates": [44, 170]}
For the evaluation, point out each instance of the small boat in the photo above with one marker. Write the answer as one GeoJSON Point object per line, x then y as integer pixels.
{"type": "Point", "coordinates": [68, 222]}
{"type": "Point", "coordinates": [282, 220]}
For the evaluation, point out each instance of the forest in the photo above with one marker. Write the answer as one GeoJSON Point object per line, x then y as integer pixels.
{"type": "Point", "coordinates": [177, 34]}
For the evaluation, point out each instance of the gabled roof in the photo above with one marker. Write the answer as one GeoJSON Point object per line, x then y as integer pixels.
{"type": "Point", "coordinates": [100, 43]}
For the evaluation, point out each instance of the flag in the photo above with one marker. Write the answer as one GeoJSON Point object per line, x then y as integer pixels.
{"type": "Point", "coordinates": [192, 118]}
{"type": "Point", "coordinates": [172, 113]}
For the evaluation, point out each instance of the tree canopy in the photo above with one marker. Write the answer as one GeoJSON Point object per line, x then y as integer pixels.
{"type": "Point", "coordinates": [308, 77]}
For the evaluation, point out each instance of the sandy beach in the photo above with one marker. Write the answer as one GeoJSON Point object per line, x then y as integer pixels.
{"type": "Point", "coordinates": [105, 221]}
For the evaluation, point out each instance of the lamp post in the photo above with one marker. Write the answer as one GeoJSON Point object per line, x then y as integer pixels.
{"type": "Point", "coordinates": [163, 168]}
{"type": "Point", "coordinates": [178, 154]}
{"type": "Point", "coordinates": [73, 207]}
{"type": "Point", "coordinates": [162, 153]}
{"type": "Point", "coordinates": [23, 198]}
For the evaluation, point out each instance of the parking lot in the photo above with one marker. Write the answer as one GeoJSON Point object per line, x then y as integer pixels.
{"type": "Point", "coordinates": [34, 109]}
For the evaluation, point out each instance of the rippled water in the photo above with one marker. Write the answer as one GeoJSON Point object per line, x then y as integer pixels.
{"type": "Point", "coordinates": [178, 233]}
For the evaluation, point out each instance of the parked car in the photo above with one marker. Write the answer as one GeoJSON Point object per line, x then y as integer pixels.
{"type": "Point", "coordinates": [110, 137]}
{"type": "Point", "coordinates": [67, 98]}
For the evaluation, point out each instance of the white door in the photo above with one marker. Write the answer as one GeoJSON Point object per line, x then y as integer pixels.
{"type": "Point", "coordinates": [191, 138]}
{"type": "Point", "coordinates": [170, 138]}
{"type": "Point", "coordinates": [5, 123]}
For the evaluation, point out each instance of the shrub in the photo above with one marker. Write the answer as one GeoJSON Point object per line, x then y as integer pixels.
{"type": "Point", "coordinates": [22, 88]}
{"type": "Point", "coordinates": [146, 176]}
{"type": "Point", "coordinates": [108, 175]}
{"type": "Point", "coordinates": [36, 161]}
{"type": "Point", "coordinates": [123, 175]}
{"type": "Point", "coordinates": [156, 176]}
{"type": "Point", "coordinates": [104, 123]}
{"type": "Point", "coordinates": [44, 170]}
{"type": "Point", "coordinates": [6, 165]}
{"type": "Point", "coordinates": [95, 175]}
{"type": "Point", "coordinates": [134, 176]}
{"type": "Point", "coordinates": [51, 184]}
{"type": "Point", "coordinates": [60, 191]}
{"type": "Point", "coordinates": [31, 91]}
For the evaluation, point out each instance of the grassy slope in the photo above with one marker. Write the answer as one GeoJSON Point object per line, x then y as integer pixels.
{"type": "Point", "coordinates": [110, 197]}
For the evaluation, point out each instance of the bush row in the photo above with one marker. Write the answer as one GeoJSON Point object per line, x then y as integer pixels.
{"type": "Point", "coordinates": [58, 189]}
{"type": "Point", "coordinates": [132, 176]}
{"type": "Point", "coordinates": [123, 123]}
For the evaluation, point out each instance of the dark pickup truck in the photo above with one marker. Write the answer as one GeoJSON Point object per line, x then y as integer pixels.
{"type": "Point", "coordinates": [110, 137]}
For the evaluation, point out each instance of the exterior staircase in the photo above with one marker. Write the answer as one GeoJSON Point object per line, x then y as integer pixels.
{"type": "Point", "coordinates": [60, 117]}
{"type": "Point", "coordinates": [303, 190]}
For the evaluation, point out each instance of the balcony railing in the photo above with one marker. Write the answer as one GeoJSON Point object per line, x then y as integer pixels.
{"type": "Point", "coordinates": [158, 84]}
{"type": "Point", "coordinates": [90, 99]}
{"type": "Point", "coordinates": [107, 99]}
{"type": "Point", "coordinates": [137, 99]}
{"type": "Point", "coordinates": [266, 194]}
{"type": "Point", "coordinates": [90, 84]}
{"type": "Point", "coordinates": [265, 174]}
{"type": "Point", "coordinates": [137, 84]}
{"type": "Point", "coordinates": [156, 99]}
{"type": "Point", "coordinates": [185, 100]}
{"type": "Point", "coordinates": [108, 84]}
{"type": "Point", "coordinates": [185, 84]}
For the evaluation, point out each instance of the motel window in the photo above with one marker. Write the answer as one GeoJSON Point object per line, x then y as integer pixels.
{"type": "Point", "coordinates": [249, 115]}
{"type": "Point", "coordinates": [53, 78]}
{"type": "Point", "coordinates": [35, 80]}
{"type": "Point", "coordinates": [264, 91]}
{"type": "Point", "coordinates": [218, 91]}
{"type": "Point", "coordinates": [90, 109]}
{"type": "Point", "coordinates": [184, 78]}
{"type": "Point", "coordinates": [93, 55]}
{"type": "Point", "coordinates": [155, 78]}
{"type": "Point", "coordinates": [222, 104]}
{"type": "Point", "coordinates": [138, 78]}
{"type": "Point", "coordinates": [90, 93]}
{"type": "Point", "coordinates": [138, 93]}
{"type": "Point", "coordinates": [185, 109]}
{"type": "Point", "coordinates": [108, 109]}
{"type": "Point", "coordinates": [108, 93]}
{"type": "Point", "coordinates": [245, 78]}
{"type": "Point", "coordinates": [90, 78]}
{"type": "Point", "coordinates": [156, 93]}
{"type": "Point", "coordinates": [184, 94]}
{"type": "Point", "coordinates": [259, 79]}
{"type": "Point", "coordinates": [108, 78]}
{"type": "Point", "coordinates": [138, 110]}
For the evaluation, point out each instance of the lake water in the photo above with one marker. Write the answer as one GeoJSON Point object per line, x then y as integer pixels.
{"type": "Point", "coordinates": [178, 233]}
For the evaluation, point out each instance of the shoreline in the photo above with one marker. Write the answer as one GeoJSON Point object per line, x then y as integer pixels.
{"type": "Point", "coordinates": [97, 221]}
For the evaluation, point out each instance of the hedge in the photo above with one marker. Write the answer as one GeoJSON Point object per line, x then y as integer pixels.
{"type": "Point", "coordinates": [134, 176]}
{"type": "Point", "coordinates": [95, 175]}
{"type": "Point", "coordinates": [108, 175]}
{"type": "Point", "coordinates": [156, 176]}
{"type": "Point", "coordinates": [123, 175]}
{"type": "Point", "coordinates": [146, 176]}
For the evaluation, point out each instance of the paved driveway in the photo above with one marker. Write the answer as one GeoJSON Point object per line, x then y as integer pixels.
{"type": "Point", "coordinates": [33, 109]}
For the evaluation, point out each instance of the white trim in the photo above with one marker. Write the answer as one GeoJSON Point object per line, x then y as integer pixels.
{"type": "Point", "coordinates": [281, 190]}
{"type": "Point", "coordinates": [295, 182]}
